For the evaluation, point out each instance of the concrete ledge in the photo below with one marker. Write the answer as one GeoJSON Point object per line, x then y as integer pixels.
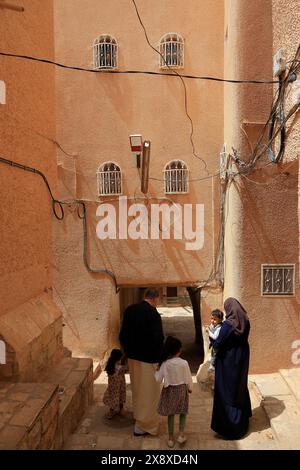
{"type": "Point", "coordinates": [32, 333]}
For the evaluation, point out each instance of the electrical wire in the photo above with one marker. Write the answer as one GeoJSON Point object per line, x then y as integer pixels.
{"type": "Point", "coordinates": [141, 72]}
{"type": "Point", "coordinates": [246, 167]}
{"type": "Point", "coordinates": [278, 109]}
{"type": "Point", "coordinates": [174, 72]}
{"type": "Point", "coordinates": [40, 134]}
{"type": "Point", "coordinates": [76, 155]}
{"type": "Point", "coordinates": [55, 202]}
{"type": "Point", "coordinates": [60, 215]}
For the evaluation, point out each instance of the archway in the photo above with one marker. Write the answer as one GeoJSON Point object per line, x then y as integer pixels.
{"type": "Point", "coordinates": [180, 309]}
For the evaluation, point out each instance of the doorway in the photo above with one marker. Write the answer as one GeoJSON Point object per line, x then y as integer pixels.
{"type": "Point", "coordinates": [180, 314]}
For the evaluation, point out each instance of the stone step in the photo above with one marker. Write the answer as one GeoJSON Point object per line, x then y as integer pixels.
{"type": "Point", "coordinates": [270, 385]}
{"type": "Point", "coordinates": [75, 379]}
{"type": "Point", "coordinates": [284, 416]}
{"type": "Point", "coordinates": [292, 378]}
{"type": "Point", "coordinates": [42, 415]}
{"type": "Point", "coordinates": [28, 415]}
{"type": "Point", "coordinates": [281, 406]}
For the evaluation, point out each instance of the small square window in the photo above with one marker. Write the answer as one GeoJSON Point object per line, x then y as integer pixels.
{"type": "Point", "coordinates": [277, 279]}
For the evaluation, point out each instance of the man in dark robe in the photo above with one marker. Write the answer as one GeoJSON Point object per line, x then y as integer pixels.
{"type": "Point", "coordinates": [142, 338]}
{"type": "Point", "coordinates": [232, 406]}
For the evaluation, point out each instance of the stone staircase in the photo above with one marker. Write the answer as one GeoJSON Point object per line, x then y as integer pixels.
{"type": "Point", "coordinates": [279, 395]}
{"type": "Point", "coordinates": [41, 415]}
{"type": "Point", "coordinates": [43, 390]}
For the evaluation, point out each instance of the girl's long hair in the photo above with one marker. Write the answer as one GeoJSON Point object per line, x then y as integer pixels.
{"type": "Point", "coordinates": [114, 357]}
{"type": "Point", "coordinates": [171, 347]}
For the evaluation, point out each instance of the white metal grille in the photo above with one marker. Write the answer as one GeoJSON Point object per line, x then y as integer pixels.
{"type": "Point", "coordinates": [109, 179]}
{"type": "Point", "coordinates": [171, 47]}
{"type": "Point", "coordinates": [105, 52]}
{"type": "Point", "coordinates": [176, 176]}
{"type": "Point", "coordinates": [278, 279]}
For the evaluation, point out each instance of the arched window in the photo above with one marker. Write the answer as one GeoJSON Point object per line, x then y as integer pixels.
{"type": "Point", "coordinates": [109, 179]}
{"type": "Point", "coordinates": [171, 47]}
{"type": "Point", "coordinates": [105, 52]}
{"type": "Point", "coordinates": [176, 176]}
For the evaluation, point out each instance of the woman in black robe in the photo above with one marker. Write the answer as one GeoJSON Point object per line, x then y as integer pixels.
{"type": "Point", "coordinates": [232, 406]}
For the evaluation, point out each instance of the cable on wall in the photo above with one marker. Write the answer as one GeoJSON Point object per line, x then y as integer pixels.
{"type": "Point", "coordinates": [138, 72]}
{"type": "Point", "coordinates": [59, 214]}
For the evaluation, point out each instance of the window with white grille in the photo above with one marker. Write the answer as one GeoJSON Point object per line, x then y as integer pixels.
{"type": "Point", "coordinates": [171, 47]}
{"type": "Point", "coordinates": [176, 177]}
{"type": "Point", "coordinates": [105, 52]}
{"type": "Point", "coordinates": [109, 179]}
{"type": "Point", "coordinates": [278, 279]}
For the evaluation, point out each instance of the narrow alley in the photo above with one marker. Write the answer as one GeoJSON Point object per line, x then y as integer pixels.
{"type": "Point", "coordinates": [98, 433]}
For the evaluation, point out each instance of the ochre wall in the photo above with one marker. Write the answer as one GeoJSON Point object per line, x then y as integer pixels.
{"type": "Point", "coordinates": [96, 113]}
{"type": "Point", "coordinates": [262, 211]}
{"type": "Point", "coordinates": [30, 322]}
{"type": "Point", "coordinates": [25, 212]}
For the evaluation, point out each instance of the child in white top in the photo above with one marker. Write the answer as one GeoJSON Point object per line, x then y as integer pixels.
{"type": "Point", "coordinates": [213, 331]}
{"type": "Point", "coordinates": [177, 384]}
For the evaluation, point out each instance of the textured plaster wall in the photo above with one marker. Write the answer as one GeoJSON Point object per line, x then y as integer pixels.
{"type": "Point", "coordinates": [286, 25]}
{"type": "Point", "coordinates": [85, 299]}
{"type": "Point", "coordinates": [262, 214]}
{"type": "Point", "coordinates": [95, 115]}
{"type": "Point", "coordinates": [25, 212]}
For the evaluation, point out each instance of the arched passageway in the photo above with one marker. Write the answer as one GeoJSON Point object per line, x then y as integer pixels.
{"type": "Point", "coordinates": [181, 317]}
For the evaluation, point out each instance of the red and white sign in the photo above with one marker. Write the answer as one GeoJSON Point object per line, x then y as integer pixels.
{"type": "Point", "coordinates": [136, 143]}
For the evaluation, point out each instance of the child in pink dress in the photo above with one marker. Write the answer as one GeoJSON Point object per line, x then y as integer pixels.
{"type": "Point", "coordinates": [115, 394]}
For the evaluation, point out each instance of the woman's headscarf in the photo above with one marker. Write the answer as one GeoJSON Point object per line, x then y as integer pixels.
{"type": "Point", "coordinates": [236, 315]}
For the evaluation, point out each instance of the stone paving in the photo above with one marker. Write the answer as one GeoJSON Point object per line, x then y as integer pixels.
{"type": "Point", "coordinates": [98, 433]}
{"type": "Point", "coordinates": [279, 394]}
{"type": "Point", "coordinates": [42, 415]}
{"type": "Point", "coordinates": [28, 415]}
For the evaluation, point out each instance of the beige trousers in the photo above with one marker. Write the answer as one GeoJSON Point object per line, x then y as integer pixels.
{"type": "Point", "coordinates": [145, 395]}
